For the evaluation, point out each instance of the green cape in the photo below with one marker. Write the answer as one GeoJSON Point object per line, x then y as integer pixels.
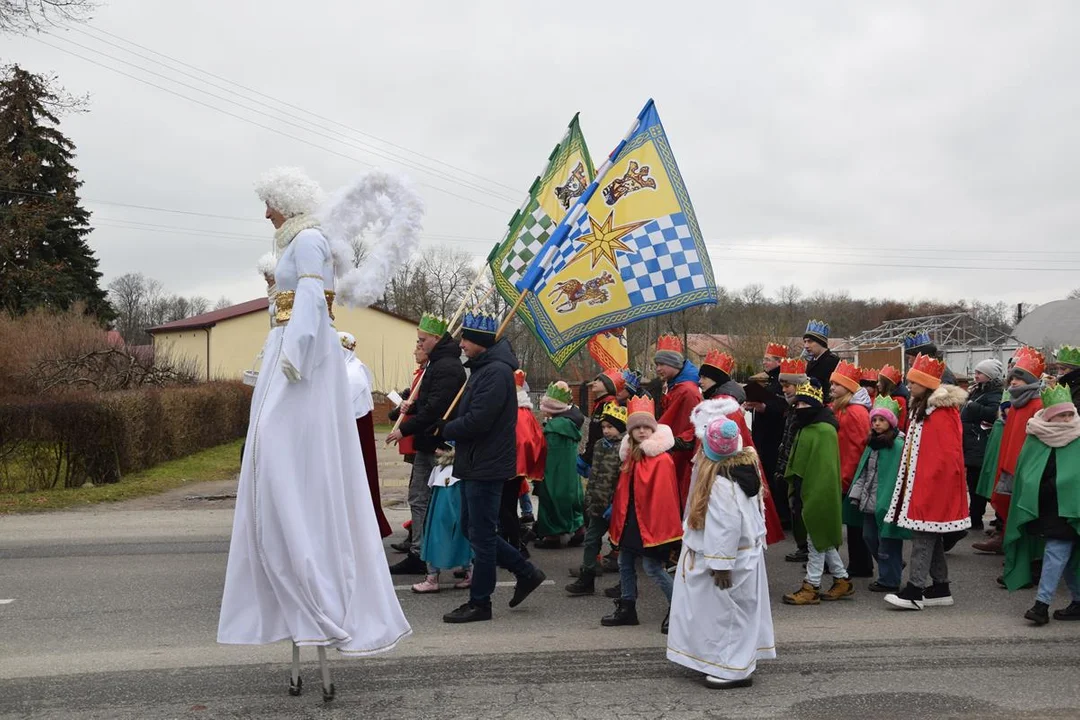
{"type": "Point", "coordinates": [1021, 547]}
{"type": "Point", "coordinates": [988, 472]}
{"type": "Point", "coordinates": [815, 458]}
{"type": "Point", "coordinates": [561, 496]}
{"type": "Point", "coordinates": [888, 468]}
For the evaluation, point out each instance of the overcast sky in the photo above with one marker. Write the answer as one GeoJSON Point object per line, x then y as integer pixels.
{"type": "Point", "coordinates": [830, 144]}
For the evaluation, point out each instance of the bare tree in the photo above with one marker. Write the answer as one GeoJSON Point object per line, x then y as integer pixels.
{"type": "Point", "coordinates": [223, 303]}
{"type": "Point", "coordinates": [23, 16]}
{"type": "Point", "coordinates": [1074, 294]}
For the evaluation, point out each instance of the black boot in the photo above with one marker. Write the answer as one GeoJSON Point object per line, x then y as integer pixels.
{"type": "Point", "coordinates": [1072, 612]}
{"type": "Point", "coordinates": [614, 592]}
{"type": "Point", "coordinates": [800, 555]}
{"type": "Point", "coordinates": [625, 614]}
{"type": "Point", "coordinates": [411, 565]}
{"type": "Point", "coordinates": [584, 585]}
{"type": "Point", "coordinates": [1039, 613]}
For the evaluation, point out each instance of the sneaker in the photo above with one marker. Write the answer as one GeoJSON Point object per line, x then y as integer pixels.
{"type": "Point", "coordinates": [910, 598]}
{"type": "Point", "coordinates": [1039, 613]}
{"type": "Point", "coordinates": [468, 613]}
{"type": "Point", "coordinates": [466, 582]}
{"type": "Point", "coordinates": [806, 595]}
{"type": "Point", "coordinates": [841, 588]}
{"type": "Point", "coordinates": [429, 585]}
{"type": "Point", "coordinates": [800, 555]}
{"type": "Point", "coordinates": [715, 683]}
{"type": "Point", "coordinates": [614, 592]}
{"type": "Point", "coordinates": [525, 585]}
{"type": "Point", "coordinates": [879, 588]}
{"type": "Point", "coordinates": [937, 595]}
{"type": "Point", "coordinates": [1072, 612]}
{"type": "Point", "coordinates": [411, 565]}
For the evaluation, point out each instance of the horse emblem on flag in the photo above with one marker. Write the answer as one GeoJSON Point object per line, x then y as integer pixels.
{"type": "Point", "coordinates": [573, 291]}
{"type": "Point", "coordinates": [636, 178]}
{"type": "Point", "coordinates": [573, 188]}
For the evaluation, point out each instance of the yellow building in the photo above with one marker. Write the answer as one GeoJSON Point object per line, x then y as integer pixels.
{"type": "Point", "coordinates": [225, 343]}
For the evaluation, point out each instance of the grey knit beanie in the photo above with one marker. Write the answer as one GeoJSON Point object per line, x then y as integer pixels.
{"type": "Point", "coordinates": [991, 368]}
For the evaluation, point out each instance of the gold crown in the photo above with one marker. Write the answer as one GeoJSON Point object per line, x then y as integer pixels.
{"type": "Point", "coordinates": [616, 412]}
{"type": "Point", "coordinates": [811, 391]}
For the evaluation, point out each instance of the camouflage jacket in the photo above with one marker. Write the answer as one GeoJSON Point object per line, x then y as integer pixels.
{"type": "Point", "coordinates": [603, 476]}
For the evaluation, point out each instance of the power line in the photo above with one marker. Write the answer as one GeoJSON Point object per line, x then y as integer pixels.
{"type": "Point", "coordinates": [335, 137]}
{"type": "Point", "coordinates": [253, 122]}
{"type": "Point", "coordinates": [889, 265]}
{"type": "Point", "coordinates": [279, 101]}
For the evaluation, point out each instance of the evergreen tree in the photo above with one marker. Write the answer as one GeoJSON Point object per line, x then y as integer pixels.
{"type": "Point", "coordinates": [44, 257]}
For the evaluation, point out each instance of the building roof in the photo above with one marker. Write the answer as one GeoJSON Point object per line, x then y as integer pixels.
{"type": "Point", "coordinates": [1051, 325]}
{"type": "Point", "coordinates": [210, 319]}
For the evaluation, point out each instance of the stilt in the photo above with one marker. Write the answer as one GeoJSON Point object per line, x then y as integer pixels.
{"type": "Point", "coordinates": [296, 685]}
{"type": "Point", "coordinates": [327, 686]}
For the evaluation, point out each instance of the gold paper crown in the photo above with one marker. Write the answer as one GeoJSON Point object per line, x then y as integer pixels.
{"type": "Point", "coordinates": [809, 390]}
{"type": "Point", "coordinates": [616, 412]}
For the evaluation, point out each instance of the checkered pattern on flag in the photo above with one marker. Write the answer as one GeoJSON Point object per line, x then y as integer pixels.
{"type": "Point", "coordinates": [568, 171]}
{"type": "Point", "coordinates": [636, 252]}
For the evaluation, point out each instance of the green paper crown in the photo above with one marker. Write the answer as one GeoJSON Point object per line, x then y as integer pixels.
{"type": "Point", "coordinates": [1057, 395]}
{"type": "Point", "coordinates": [1068, 355]}
{"type": "Point", "coordinates": [432, 325]}
{"type": "Point", "coordinates": [884, 401]}
{"type": "Point", "coordinates": [560, 392]}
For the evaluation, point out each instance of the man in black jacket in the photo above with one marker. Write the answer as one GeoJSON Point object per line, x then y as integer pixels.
{"type": "Point", "coordinates": [442, 379]}
{"type": "Point", "coordinates": [768, 427]}
{"type": "Point", "coordinates": [485, 434]}
{"type": "Point", "coordinates": [978, 416]}
{"type": "Point", "coordinates": [821, 362]}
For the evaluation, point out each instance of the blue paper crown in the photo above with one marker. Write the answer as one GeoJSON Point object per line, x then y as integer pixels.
{"type": "Point", "coordinates": [633, 381]}
{"type": "Point", "coordinates": [915, 340]}
{"type": "Point", "coordinates": [818, 327]}
{"type": "Point", "coordinates": [480, 323]}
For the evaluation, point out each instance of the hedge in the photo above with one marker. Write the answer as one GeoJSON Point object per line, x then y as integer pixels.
{"type": "Point", "coordinates": [70, 440]}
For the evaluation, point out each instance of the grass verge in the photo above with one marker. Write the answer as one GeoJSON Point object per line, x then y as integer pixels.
{"type": "Point", "coordinates": [219, 463]}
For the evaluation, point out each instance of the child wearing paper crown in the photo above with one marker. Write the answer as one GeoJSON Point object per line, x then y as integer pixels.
{"type": "Point", "coordinates": [930, 497]}
{"type": "Point", "coordinates": [851, 406]}
{"type": "Point", "coordinates": [891, 384]}
{"type": "Point", "coordinates": [1046, 507]}
{"type": "Point", "coordinates": [869, 496]}
{"type": "Point", "coordinates": [603, 475]}
{"type": "Point", "coordinates": [560, 494]}
{"type": "Point", "coordinates": [721, 624]}
{"type": "Point", "coordinates": [646, 517]}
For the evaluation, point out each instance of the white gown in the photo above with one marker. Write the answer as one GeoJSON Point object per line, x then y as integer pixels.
{"type": "Point", "coordinates": [306, 561]}
{"type": "Point", "coordinates": [360, 382]}
{"type": "Point", "coordinates": [723, 633]}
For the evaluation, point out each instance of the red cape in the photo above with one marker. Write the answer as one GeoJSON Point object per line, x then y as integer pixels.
{"type": "Point", "coordinates": [678, 403]}
{"type": "Point", "coordinates": [656, 505]}
{"type": "Point", "coordinates": [774, 533]}
{"type": "Point", "coordinates": [902, 418]}
{"type": "Point", "coordinates": [365, 426]}
{"type": "Point", "coordinates": [854, 433]}
{"type": "Point", "coordinates": [531, 448]}
{"type": "Point", "coordinates": [1012, 439]}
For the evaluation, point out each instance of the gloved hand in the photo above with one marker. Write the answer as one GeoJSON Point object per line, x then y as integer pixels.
{"type": "Point", "coordinates": [583, 468]}
{"type": "Point", "coordinates": [721, 578]}
{"type": "Point", "coordinates": [607, 514]}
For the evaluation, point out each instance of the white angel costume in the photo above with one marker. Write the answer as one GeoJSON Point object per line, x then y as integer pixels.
{"type": "Point", "coordinates": [306, 562]}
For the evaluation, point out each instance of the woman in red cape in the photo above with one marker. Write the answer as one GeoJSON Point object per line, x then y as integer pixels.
{"type": "Point", "coordinates": [1024, 401]}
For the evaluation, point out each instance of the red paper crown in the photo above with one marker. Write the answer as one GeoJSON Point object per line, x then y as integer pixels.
{"type": "Point", "coordinates": [891, 374]}
{"type": "Point", "coordinates": [642, 405]}
{"type": "Point", "coordinates": [869, 374]}
{"type": "Point", "coordinates": [720, 360]}
{"type": "Point", "coordinates": [669, 342]}
{"type": "Point", "coordinates": [1030, 359]}
{"type": "Point", "coordinates": [848, 375]}
{"type": "Point", "coordinates": [776, 350]}
{"type": "Point", "coordinates": [928, 366]}
{"type": "Point", "coordinates": [519, 378]}
{"type": "Point", "coordinates": [616, 377]}
{"type": "Point", "coordinates": [792, 366]}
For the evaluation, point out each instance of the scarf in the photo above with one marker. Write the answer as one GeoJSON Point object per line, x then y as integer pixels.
{"type": "Point", "coordinates": [810, 415]}
{"type": "Point", "coordinates": [552, 406]}
{"type": "Point", "coordinates": [1023, 394]}
{"type": "Point", "coordinates": [293, 227]}
{"type": "Point", "coordinates": [1054, 434]}
{"type": "Point", "coordinates": [882, 440]}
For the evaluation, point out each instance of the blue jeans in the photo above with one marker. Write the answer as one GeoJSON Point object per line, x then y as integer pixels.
{"type": "Point", "coordinates": [480, 517]}
{"type": "Point", "coordinates": [1059, 558]}
{"type": "Point", "coordinates": [888, 551]}
{"type": "Point", "coordinates": [525, 501]}
{"type": "Point", "coordinates": [653, 568]}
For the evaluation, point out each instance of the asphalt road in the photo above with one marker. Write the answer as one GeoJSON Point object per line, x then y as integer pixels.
{"type": "Point", "coordinates": [113, 613]}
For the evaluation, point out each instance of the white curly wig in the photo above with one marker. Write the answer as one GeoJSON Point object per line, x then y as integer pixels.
{"type": "Point", "coordinates": [289, 191]}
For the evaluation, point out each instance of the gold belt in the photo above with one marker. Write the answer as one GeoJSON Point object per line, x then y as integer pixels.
{"type": "Point", "coordinates": [283, 305]}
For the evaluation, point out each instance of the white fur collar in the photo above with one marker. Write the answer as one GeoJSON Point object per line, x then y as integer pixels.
{"type": "Point", "coordinates": [946, 396]}
{"type": "Point", "coordinates": [708, 410]}
{"type": "Point", "coordinates": [523, 400]}
{"type": "Point", "coordinates": [661, 441]}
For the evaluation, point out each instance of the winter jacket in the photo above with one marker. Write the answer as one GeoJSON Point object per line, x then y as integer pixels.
{"type": "Point", "coordinates": [485, 426]}
{"type": "Point", "coordinates": [822, 368]}
{"type": "Point", "coordinates": [442, 380]}
{"type": "Point", "coordinates": [768, 427]}
{"type": "Point", "coordinates": [603, 476]}
{"type": "Point", "coordinates": [978, 416]}
{"type": "Point", "coordinates": [731, 388]}
{"type": "Point", "coordinates": [1072, 380]}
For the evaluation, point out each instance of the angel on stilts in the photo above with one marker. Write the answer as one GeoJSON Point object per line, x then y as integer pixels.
{"type": "Point", "coordinates": [306, 561]}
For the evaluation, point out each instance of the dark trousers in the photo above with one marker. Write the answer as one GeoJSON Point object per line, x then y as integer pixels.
{"type": "Point", "coordinates": [480, 516]}
{"type": "Point", "coordinates": [860, 562]}
{"type": "Point", "coordinates": [509, 525]}
{"type": "Point", "coordinates": [977, 504]}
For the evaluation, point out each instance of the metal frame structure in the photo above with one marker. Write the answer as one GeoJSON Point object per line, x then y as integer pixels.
{"type": "Point", "coordinates": [953, 330]}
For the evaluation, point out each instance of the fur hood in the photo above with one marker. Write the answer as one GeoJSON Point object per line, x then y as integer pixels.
{"type": "Point", "coordinates": [709, 410]}
{"type": "Point", "coordinates": [661, 441]}
{"type": "Point", "coordinates": [523, 399]}
{"type": "Point", "coordinates": [946, 396]}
